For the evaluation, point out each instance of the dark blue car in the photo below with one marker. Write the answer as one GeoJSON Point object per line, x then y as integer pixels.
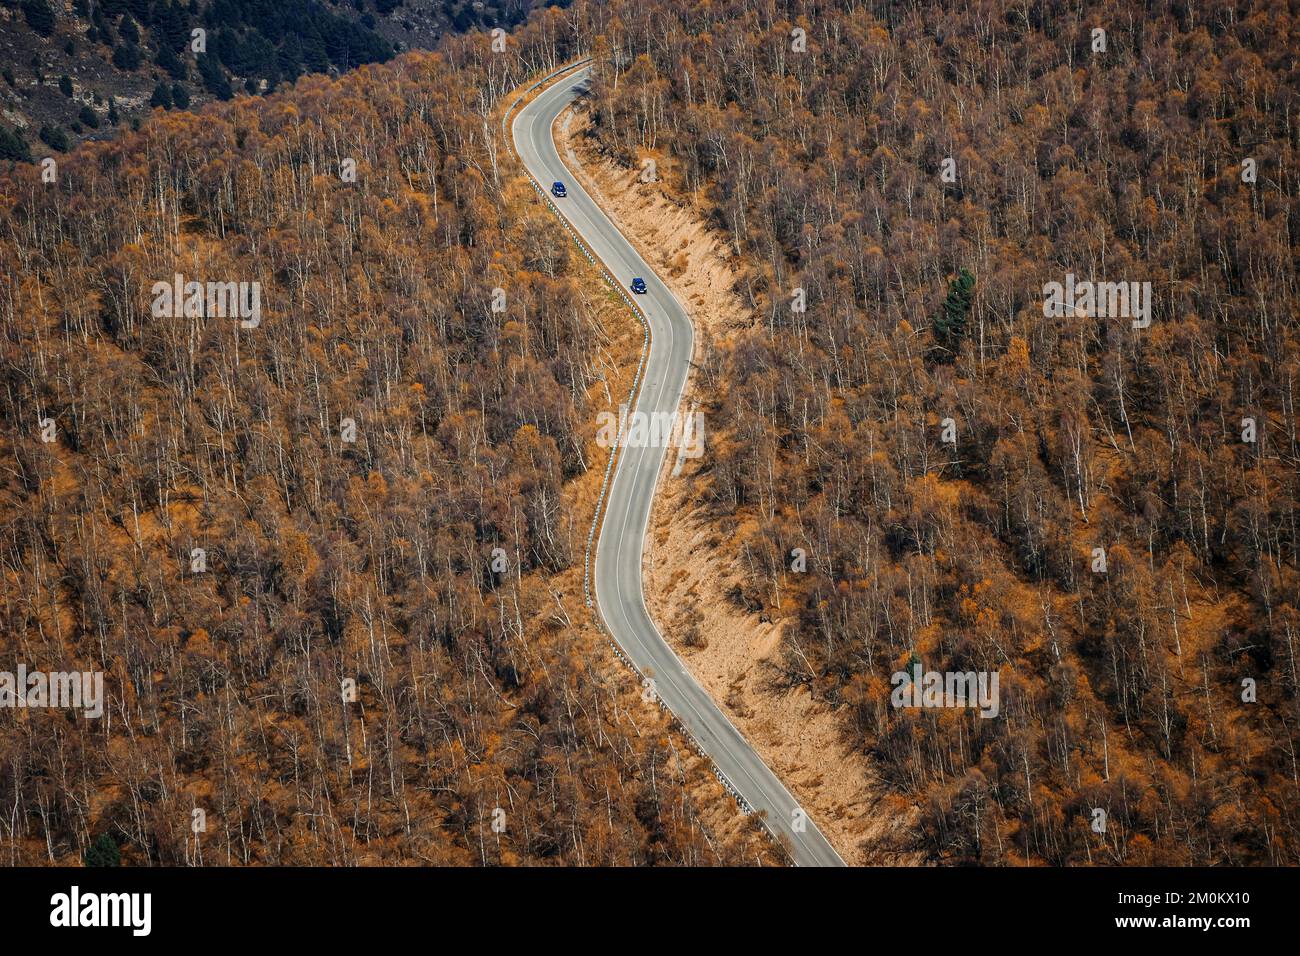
{"type": "Point", "coordinates": [638, 286]}
{"type": "Point", "coordinates": [558, 190]}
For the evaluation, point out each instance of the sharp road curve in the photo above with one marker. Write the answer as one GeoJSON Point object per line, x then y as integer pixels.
{"type": "Point", "coordinates": [617, 573]}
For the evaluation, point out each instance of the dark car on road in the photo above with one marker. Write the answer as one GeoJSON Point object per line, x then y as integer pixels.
{"type": "Point", "coordinates": [638, 286]}
{"type": "Point", "coordinates": [558, 190]}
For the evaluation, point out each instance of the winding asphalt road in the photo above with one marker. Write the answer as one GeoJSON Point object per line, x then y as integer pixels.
{"type": "Point", "coordinates": [618, 581]}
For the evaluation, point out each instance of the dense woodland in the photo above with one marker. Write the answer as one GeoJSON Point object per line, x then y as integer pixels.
{"type": "Point", "coordinates": [82, 69]}
{"type": "Point", "coordinates": [325, 559]}
{"type": "Point", "coordinates": [1120, 690]}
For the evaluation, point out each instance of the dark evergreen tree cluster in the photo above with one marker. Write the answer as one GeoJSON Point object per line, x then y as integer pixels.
{"type": "Point", "coordinates": [13, 146]}
{"type": "Point", "coordinates": [950, 323]}
{"type": "Point", "coordinates": [54, 137]}
{"type": "Point", "coordinates": [258, 42]}
{"type": "Point", "coordinates": [103, 852]}
{"type": "Point", "coordinates": [39, 16]}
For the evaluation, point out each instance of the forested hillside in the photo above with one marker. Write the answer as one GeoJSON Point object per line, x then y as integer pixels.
{"type": "Point", "coordinates": [950, 458]}
{"type": "Point", "coordinates": [82, 68]}
{"type": "Point", "coordinates": [234, 517]}
{"type": "Point", "coordinates": [231, 520]}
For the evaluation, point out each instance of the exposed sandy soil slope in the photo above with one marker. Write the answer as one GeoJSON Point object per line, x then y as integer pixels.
{"type": "Point", "coordinates": [690, 566]}
{"type": "Point", "coordinates": [621, 340]}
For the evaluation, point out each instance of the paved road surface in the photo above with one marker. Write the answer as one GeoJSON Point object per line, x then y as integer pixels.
{"type": "Point", "coordinates": [618, 579]}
